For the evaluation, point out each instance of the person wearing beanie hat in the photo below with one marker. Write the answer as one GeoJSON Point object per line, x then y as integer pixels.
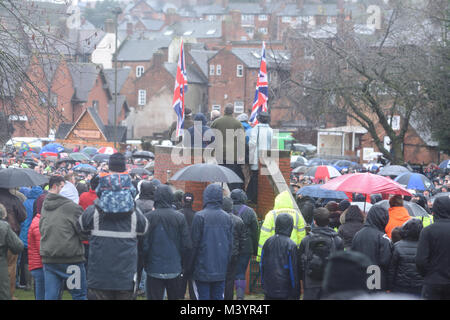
{"type": "Point", "coordinates": [345, 276]}
{"type": "Point", "coordinates": [117, 163]}
{"type": "Point", "coordinates": [433, 252]}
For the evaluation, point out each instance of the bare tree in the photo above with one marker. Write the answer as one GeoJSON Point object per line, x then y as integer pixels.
{"type": "Point", "coordinates": [372, 75]}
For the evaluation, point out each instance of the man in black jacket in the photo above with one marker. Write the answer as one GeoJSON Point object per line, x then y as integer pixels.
{"type": "Point", "coordinates": [165, 247]}
{"type": "Point", "coordinates": [372, 241]}
{"type": "Point", "coordinates": [239, 238]}
{"type": "Point", "coordinates": [250, 246]}
{"type": "Point", "coordinates": [279, 262]}
{"type": "Point", "coordinates": [433, 253]}
{"type": "Point", "coordinates": [314, 252]}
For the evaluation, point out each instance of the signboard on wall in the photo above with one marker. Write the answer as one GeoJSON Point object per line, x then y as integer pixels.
{"type": "Point", "coordinates": [367, 154]}
{"type": "Point", "coordinates": [87, 134]}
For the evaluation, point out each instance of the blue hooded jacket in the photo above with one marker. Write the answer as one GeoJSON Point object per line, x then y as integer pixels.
{"type": "Point", "coordinates": [200, 131]}
{"type": "Point", "coordinates": [212, 238]}
{"type": "Point", "coordinates": [32, 195]}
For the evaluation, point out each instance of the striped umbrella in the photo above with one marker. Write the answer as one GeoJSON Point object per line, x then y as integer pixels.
{"type": "Point", "coordinates": [322, 172]}
{"type": "Point", "coordinates": [415, 181]}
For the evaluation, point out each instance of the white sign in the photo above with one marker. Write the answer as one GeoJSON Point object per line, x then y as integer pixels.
{"type": "Point", "coordinates": [395, 124]}
{"type": "Point", "coordinates": [387, 143]}
{"type": "Point", "coordinates": [367, 154]}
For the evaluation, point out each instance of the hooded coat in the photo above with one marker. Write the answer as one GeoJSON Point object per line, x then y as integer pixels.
{"type": "Point", "coordinates": [397, 217]}
{"type": "Point", "coordinates": [15, 209]}
{"type": "Point", "coordinates": [212, 238]}
{"type": "Point", "coordinates": [283, 204]}
{"type": "Point", "coordinates": [60, 235]}
{"type": "Point", "coordinates": [248, 216]}
{"type": "Point", "coordinates": [113, 246]}
{"type": "Point", "coordinates": [403, 275]}
{"type": "Point", "coordinates": [372, 241]}
{"type": "Point", "coordinates": [239, 231]}
{"type": "Point", "coordinates": [306, 205]}
{"type": "Point", "coordinates": [167, 242]}
{"type": "Point", "coordinates": [8, 241]}
{"type": "Point", "coordinates": [433, 251]}
{"type": "Point", "coordinates": [146, 200]}
{"type": "Point", "coordinates": [354, 221]}
{"type": "Point", "coordinates": [279, 262]}
{"type": "Point", "coordinates": [34, 193]}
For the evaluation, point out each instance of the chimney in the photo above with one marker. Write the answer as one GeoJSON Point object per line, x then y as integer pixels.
{"type": "Point", "coordinates": [109, 26]}
{"type": "Point", "coordinates": [129, 28]}
{"type": "Point", "coordinates": [158, 59]}
{"type": "Point", "coordinates": [172, 17]}
{"type": "Point", "coordinates": [300, 3]}
{"type": "Point", "coordinates": [224, 3]}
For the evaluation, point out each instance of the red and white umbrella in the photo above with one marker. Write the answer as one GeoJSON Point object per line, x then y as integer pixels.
{"type": "Point", "coordinates": [322, 172]}
{"type": "Point", "coordinates": [107, 150]}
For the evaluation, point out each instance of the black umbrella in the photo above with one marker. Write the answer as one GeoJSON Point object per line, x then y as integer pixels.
{"type": "Point", "coordinates": [21, 177]}
{"type": "Point", "coordinates": [205, 172]}
{"type": "Point", "coordinates": [393, 170]}
{"type": "Point", "coordinates": [300, 169]}
{"type": "Point", "coordinates": [413, 208]}
{"type": "Point", "coordinates": [143, 154]}
{"type": "Point", "coordinates": [140, 171]}
{"type": "Point", "coordinates": [101, 157]}
{"type": "Point", "coordinates": [65, 160]}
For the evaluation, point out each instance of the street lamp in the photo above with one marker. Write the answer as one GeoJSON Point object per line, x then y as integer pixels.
{"type": "Point", "coordinates": [116, 11]}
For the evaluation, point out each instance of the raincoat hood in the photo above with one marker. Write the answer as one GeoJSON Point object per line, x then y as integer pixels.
{"type": "Point", "coordinates": [35, 192]}
{"type": "Point", "coordinates": [377, 217]}
{"type": "Point", "coordinates": [283, 201]}
{"type": "Point", "coordinates": [213, 196]}
{"type": "Point", "coordinates": [146, 190]}
{"type": "Point", "coordinates": [54, 201]}
{"type": "Point", "coordinates": [441, 207]}
{"type": "Point", "coordinates": [239, 196]}
{"type": "Point", "coordinates": [353, 213]}
{"type": "Point", "coordinates": [227, 204]}
{"type": "Point", "coordinates": [25, 191]}
{"type": "Point", "coordinates": [201, 117]}
{"type": "Point", "coordinates": [163, 197]}
{"type": "Point", "coordinates": [284, 224]}
{"type": "Point", "coordinates": [411, 229]}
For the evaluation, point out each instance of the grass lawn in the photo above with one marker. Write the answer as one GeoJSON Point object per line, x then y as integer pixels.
{"type": "Point", "coordinates": [29, 295]}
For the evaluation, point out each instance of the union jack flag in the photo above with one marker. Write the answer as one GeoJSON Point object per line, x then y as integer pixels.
{"type": "Point", "coordinates": [262, 89]}
{"type": "Point", "coordinates": [180, 91]}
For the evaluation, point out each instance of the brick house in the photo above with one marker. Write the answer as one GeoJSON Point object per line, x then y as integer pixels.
{"type": "Point", "coordinates": [233, 72]}
{"type": "Point", "coordinates": [154, 113]}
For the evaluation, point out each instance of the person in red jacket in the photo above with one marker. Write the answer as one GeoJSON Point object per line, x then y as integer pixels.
{"type": "Point", "coordinates": [34, 258]}
{"type": "Point", "coordinates": [86, 200]}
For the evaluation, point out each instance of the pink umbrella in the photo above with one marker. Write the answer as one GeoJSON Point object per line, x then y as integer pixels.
{"type": "Point", "coordinates": [107, 150]}
{"type": "Point", "coordinates": [366, 183]}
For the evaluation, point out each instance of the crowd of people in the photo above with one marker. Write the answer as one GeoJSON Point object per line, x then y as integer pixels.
{"type": "Point", "coordinates": [122, 236]}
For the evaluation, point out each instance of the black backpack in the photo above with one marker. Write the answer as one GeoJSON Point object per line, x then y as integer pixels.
{"type": "Point", "coordinates": [318, 250]}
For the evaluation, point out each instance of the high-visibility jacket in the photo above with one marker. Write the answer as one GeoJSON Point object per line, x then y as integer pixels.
{"type": "Point", "coordinates": [426, 221]}
{"type": "Point", "coordinates": [283, 204]}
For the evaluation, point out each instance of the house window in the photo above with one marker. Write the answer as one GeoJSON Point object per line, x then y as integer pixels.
{"type": "Point", "coordinates": [262, 30]}
{"type": "Point", "coordinates": [211, 17]}
{"type": "Point", "coordinates": [262, 17]}
{"type": "Point", "coordinates": [139, 71]}
{"type": "Point", "coordinates": [142, 96]}
{"type": "Point", "coordinates": [238, 106]}
{"type": "Point", "coordinates": [247, 18]}
{"type": "Point", "coordinates": [240, 70]}
{"type": "Point", "coordinates": [329, 19]}
{"type": "Point", "coordinates": [218, 69]}
{"type": "Point", "coordinates": [286, 19]}
{"type": "Point", "coordinates": [211, 69]}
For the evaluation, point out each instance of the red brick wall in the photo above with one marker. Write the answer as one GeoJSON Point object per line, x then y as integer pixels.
{"type": "Point", "coordinates": [266, 194]}
{"type": "Point", "coordinates": [99, 94]}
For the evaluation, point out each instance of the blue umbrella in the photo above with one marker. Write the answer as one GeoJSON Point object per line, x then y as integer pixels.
{"type": "Point", "coordinates": [415, 181]}
{"type": "Point", "coordinates": [445, 164]}
{"type": "Point", "coordinates": [315, 191]}
{"type": "Point", "coordinates": [85, 168]}
{"type": "Point", "coordinates": [52, 147]}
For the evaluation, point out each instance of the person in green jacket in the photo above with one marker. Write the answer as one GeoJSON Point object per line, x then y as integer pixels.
{"type": "Point", "coordinates": [283, 204]}
{"type": "Point", "coordinates": [8, 241]}
{"type": "Point", "coordinates": [62, 250]}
